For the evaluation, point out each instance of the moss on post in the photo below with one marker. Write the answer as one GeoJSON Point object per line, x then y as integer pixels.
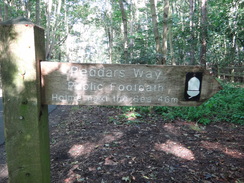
{"type": "Point", "coordinates": [26, 120]}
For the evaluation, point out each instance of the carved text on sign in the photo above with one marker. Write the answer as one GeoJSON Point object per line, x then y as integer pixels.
{"type": "Point", "coordinates": [114, 84]}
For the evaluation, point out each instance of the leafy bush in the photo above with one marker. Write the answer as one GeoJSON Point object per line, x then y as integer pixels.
{"type": "Point", "coordinates": [227, 105]}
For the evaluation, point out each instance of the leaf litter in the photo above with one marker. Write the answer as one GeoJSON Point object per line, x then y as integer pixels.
{"type": "Point", "coordinates": [99, 145]}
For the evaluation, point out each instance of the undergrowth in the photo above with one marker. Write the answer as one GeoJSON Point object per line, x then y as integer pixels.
{"type": "Point", "coordinates": [227, 105]}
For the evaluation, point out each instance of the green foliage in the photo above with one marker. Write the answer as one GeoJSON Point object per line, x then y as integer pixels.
{"type": "Point", "coordinates": [226, 106]}
{"type": "Point", "coordinates": [103, 19]}
{"type": "Point", "coordinates": [128, 116]}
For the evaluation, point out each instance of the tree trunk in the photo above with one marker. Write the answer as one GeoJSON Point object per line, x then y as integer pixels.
{"type": "Point", "coordinates": [27, 9]}
{"type": "Point", "coordinates": [111, 45]}
{"type": "Point", "coordinates": [1, 11]}
{"type": "Point", "coordinates": [5, 10]}
{"type": "Point", "coordinates": [171, 41]}
{"type": "Point", "coordinates": [155, 29]}
{"type": "Point", "coordinates": [203, 38]}
{"type": "Point", "coordinates": [234, 47]}
{"type": "Point", "coordinates": [132, 20]}
{"type": "Point", "coordinates": [48, 31]}
{"type": "Point", "coordinates": [109, 33]}
{"type": "Point", "coordinates": [51, 37]}
{"type": "Point", "coordinates": [124, 20]}
{"type": "Point", "coordinates": [192, 37]}
{"type": "Point", "coordinates": [37, 12]}
{"type": "Point", "coordinates": [54, 37]}
{"type": "Point", "coordinates": [165, 31]}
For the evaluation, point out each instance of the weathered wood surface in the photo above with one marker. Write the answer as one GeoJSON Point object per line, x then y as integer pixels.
{"type": "Point", "coordinates": [26, 119]}
{"type": "Point", "coordinates": [121, 85]}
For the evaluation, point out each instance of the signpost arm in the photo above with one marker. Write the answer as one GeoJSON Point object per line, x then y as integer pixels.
{"type": "Point", "coordinates": [26, 120]}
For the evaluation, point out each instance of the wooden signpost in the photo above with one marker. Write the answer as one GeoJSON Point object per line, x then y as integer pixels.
{"type": "Point", "coordinates": [25, 118]}
{"type": "Point", "coordinates": [29, 85]}
{"type": "Point", "coordinates": [125, 85]}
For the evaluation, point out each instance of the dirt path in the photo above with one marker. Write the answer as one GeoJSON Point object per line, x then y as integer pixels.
{"type": "Point", "coordinates": [103, 145]}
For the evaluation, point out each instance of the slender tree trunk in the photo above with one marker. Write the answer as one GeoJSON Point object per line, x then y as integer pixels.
{"type": "Point", "coordinates": [165, 31]}
{"type": "Point", "coordinates": [51, 37]}
{"type": "Point", "coordinates": [48, 28]}
{"type": "Point", "coordinates": [155, 28]}
{"type": "Point", "coordinates": [67, 58]}
{"type": "Point", "coordinates": [225, 48]}
{"type": "Point", "coordinates": [37, 12]}
{"type": "Point", "coordinates": [233, 50]}
{"type": "Point", "coordinates": [54, 38]}
{"type": "Point", "coordinates": [234, 47]}
{"type": "Point", "coordinates": [125, 30]}
{"type": "Point", "coordinates": [192, 37]}
{"type": "Point", "coordinates": [110, 35]}
{"type": "Point", "coordinates": [132, 20]}
{"type": "Point", "coordinates": [239, 55]}
{"type": "Point", "coordinates": [171, 40]}
{"type": "Point", "coordinates": [27, 9]}
{"type": "Point", "coordinates": [146, 28]}
{"type": "Point", "coordinates": [1, 12]}
{"type": "Point", "coordinates": [6, 10]}
{"type": "Point", "coordinates": [136, 11]}
{"type": "Point", "coordinates": [182, 21]}
{"type": "Point", "coordinates": [203, 37]}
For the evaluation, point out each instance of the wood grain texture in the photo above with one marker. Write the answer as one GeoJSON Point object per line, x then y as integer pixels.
{"type": "Point", "coordinates": [26, 119]}
{"type": "Point", "coordinates": [120, 85]}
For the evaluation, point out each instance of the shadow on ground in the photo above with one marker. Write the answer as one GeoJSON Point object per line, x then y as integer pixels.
{"type": "Point", "coordinates": [106, 145]}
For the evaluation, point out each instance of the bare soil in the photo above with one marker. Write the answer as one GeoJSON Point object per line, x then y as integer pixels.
{"type": "Point", "coordinates": [105, 145]}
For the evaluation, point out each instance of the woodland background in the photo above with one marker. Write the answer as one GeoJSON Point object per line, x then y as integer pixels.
{"type": "Point", "coordinates": [172, 32]}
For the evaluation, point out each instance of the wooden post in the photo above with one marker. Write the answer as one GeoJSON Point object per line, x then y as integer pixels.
{"type": "Point", "coordinates": [26, 120]}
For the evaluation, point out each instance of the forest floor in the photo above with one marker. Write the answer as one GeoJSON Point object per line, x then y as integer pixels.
{"type": "Point", "coordinates": [105, 145]}
{"type": "Point", "coordinates": [93, 144]}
